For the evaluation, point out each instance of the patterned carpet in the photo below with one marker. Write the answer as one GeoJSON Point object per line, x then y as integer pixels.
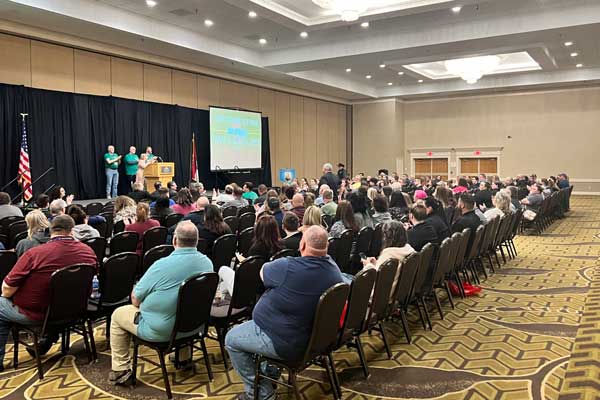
{"type": "Point", "coordinates": [513, 341]}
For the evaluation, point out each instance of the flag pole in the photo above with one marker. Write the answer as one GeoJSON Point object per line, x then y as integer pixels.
{"type": "Point", "coordinates": [23, 116]}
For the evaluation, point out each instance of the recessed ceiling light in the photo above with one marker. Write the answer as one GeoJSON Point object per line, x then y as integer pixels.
{"type": "Point", "coordinates": [420, 81]}
{"type": "Point", "coordinates": [456, 9]}
{"type": "Point", "coordinates": [390, 83]}
{"type": "Point", "coordinates": [574, 54]}
{"type": "Point", "coordinates": [579, 65]}
{"type": "Point", "coordinates": [348, 69]}
{"type": "Point", "coordinates": [365, 24]}
{"type": "Point", "coordinates": [208, 22]}
{"type": "Point", "coordinates": [262, 41]}
{"type": "Point", "coordinates": [304, 35]}
{"type": "Point", "coordinates": [568, 44]}
{"type": "Point", "coordinates": [381, 65]}
{"type": "Point", "coordinates": [368, 76]}
{"type": "Point", "coordinates": [400, 73]}
{"type": "Point", "coordinates": [151, 3]}
{"type": "Point", "coordinates": [252, 14]}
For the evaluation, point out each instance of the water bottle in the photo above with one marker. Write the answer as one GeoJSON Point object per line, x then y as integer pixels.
{"type": "Point", "coordinates": [95, 288]}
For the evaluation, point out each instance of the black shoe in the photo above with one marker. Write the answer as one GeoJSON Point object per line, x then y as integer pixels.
{"type": "Point", "coordinates": [44, 345]}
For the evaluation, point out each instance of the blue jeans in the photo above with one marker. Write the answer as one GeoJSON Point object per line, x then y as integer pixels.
{"type": "Point", "coordinates": [242, 342]}
{"type": "Point", "coordinates": [9, 313]}
{"type": "Point", "coordinates": [112, 181]}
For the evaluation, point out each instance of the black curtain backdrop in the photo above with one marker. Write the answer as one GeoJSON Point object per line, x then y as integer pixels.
{"type": "Point", "coordinates": [71, 132]}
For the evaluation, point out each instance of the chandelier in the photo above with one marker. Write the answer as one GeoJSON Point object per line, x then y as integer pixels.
{"type": "Point", "coordinates": [472, 69]}
{"type": "Point", "coordinates": [348, 10]}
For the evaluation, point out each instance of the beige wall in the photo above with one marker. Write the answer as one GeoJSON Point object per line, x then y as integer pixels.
{"type": "Point", "coordinates": [297, 123]}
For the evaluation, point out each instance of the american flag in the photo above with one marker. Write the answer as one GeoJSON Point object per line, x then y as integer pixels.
{"type": "Point", "coordinates": [194, 162]}
{"type": "Point", "coordinates": [24, 168]}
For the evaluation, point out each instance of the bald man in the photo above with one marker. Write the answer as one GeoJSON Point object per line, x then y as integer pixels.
{"type": "Point", "coordinates": [298, 206]}
{"type": "Point", "coordinates": [154, 299]}
{"type": "Point", "coordinates": [282, 320]}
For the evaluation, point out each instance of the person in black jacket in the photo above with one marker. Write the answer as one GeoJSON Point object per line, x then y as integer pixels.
{"type": "Point", "coordinates": [330, 179]}
{"type": "Point", "coordinates": [466, 205]}
{"type": "Point", "coordinates": [436, 217]}
{"type": "Point", "coordinates": [484, 195]}
{"type": "Point", "coordinates": [293, 236]}
{"type": "Point", "coordinates": [422, 231]}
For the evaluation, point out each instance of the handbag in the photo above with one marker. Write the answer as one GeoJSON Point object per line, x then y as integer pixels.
{"type": "Point", "coordinates": [529, 215]}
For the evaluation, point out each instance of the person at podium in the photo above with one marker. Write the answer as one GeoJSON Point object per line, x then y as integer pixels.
{"type": "Point", "coordinates": [111, 164]}
{"type": "Point", "coordinates": [142, 164]}
{"type": "Point", "coordinates": [149, 154]}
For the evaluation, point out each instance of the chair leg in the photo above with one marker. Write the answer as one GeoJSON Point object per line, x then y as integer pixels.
{"type": "Point", "coordinates": [461, 289]}
{"type": "Point", "coordinates": [421, 314]}
{"type": "Point", "coordinates": [134, 364]}
{"type": "Point", "coordinates": [221, 338]}
{"type": "Point", "coordinates": [257, 362]}
{"type": "Point", "coordinates": [438, 304]}
{"type": "Point", "coordinates": [450, 299]}
{"type": "Point", "coordinates": [206, 359]}
{"type": "Point", "coordinates": [86, 342]}
{"type": "Point", "coordinates": [336, 380]}
{"type": "Point", "coordinates": [385, 341]}
{"type": "Point", "coordinates": [38, 361]}
{"type": "Point", "coordinates": [330, 376]}
{"type": "Point", "coordinates": [492, 269]}
{"type": "Point", "coordinates": [405, 326]}
{"type": "Point", "coordinates": [426, 313]}
{"type": "Point", "coordinates": [361, 355]}
{"type": "Point", "coordinates": [15, 335]}
{"type": "Point", "coordinates": [497, 259]}
{"type": "Point", "coordinates": [163, 367]}
{"type": "Point", "coordinates": [92, 340]}
{"type": "Point", "coordinates": [502, 254]}
{"type": "Point", "coordinates": [293, 381]}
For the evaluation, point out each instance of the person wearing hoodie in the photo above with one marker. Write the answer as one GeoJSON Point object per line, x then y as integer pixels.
{"type": "Point", "coordinates": [82, 230]}
{"type": "Point", "coordinates": [37, 232]}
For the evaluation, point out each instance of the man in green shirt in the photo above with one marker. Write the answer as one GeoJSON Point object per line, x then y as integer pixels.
{"type": "Point", "coordinates": [111, 164]}
{"type": "Point", "coordinates": [154, 298]}
{"type": "Point", "coordinates": [249, 194]}
{"type": "Point", "coordinates": [131, 165]}
{"type": "Point", "coordinates": [329, 207]}
{"type": "Point", "coordinates": [149, 153]}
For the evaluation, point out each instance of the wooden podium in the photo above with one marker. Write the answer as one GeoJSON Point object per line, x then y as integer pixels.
{"type": "Point", "coordinates": [160, 171]}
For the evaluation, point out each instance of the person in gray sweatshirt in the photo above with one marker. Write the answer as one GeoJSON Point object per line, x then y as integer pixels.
{"type": "Point", "coordinates": [82, 230]}
{"type": "Point", "coordinates": [37, 232]}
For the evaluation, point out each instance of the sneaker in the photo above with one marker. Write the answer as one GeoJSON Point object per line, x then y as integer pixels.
{"type": "Point", "coordinates": [121, 377]}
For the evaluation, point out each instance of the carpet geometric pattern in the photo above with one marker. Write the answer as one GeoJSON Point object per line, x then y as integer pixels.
{"type": "Point", "coordinates": [533, 332]}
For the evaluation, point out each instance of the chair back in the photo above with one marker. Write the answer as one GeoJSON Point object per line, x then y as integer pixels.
{"type": "Point", "coordinates": [406, 280]}
{"type": "Point", "coordinates": [473, 251]}
{"type": "Point", "coordinates": [518, 217]}
{"type": "Point", "coordinates": [194, 303]}
{"type": "Point", "coordinates": [110, 224]}
{"type": "Point", "coordinates": [442, 265]}
{"type": "Point", "coordinates": [118, 227]}
{"type": "Point", "coordinates": [13, 230]}
{"type": "Point", "coordinates": [358, 304]}
{"type": "Point", "coordinates": [20, 236]}
{"type": "Point", "coordinates": [364, 239]}
{"type": "Point", "coordinates": [332, 247]}
{"type": "Point", "coordinates": [246, 221]}
{"type": "Point", "coordinates": [246, 209]}
{"type": "Point", "coordinates": [383, 289]}
{"type": "Point", "coordinates": [8, 259]}
{"type": "Point", "coordinates": [376, 241]}
{"type": "Point", "coordinates": [326, 323]}
{"type": "Point", "coordinates": [223, 251]}
{"type": "Point", "coordinates": [97, 244]}
{"type": "Point", "coordinates": [285, 253]}
{"type": "Point", "coordinates": [233, 223]}
{"type": "Point", "coordinates": [202, 246]}
{"type": "Point", "coordinates": [94, 208]}
{"type": "Point", "coordinates": [6, 221]}
{"type": "Point", "coordinates": [327, 221]}
{"type": "Point", "coordinates": [109, 208]}
{"type": "Point", "coordinates": [244, 241]}
{"type": "Point", "coordinates": [123, 242]}
{"type": "Point", "coordinates": [70, 288]}
{"type": "Point", "coordinates": [426, 253]}
{"type": "Point", "coordinates": [117, 277]}
{"type": "Point", "coordinates": [462, 248]}
{"type": "Point", "coordinates": [230, 211]}
{"type": "Point", "coordinates": [154, 254]}
{"type": "Point", "coordinates": [154, 237]}
{"type": "Point", "coordinates": [172, 219]}
{"type": "Point", "coordinates": [247, 283]}
{"type": "Point", "coordinates": [343, 250]}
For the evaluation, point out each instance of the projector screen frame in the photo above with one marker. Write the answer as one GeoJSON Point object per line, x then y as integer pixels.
{"type": "Point", "coordinates": [210, 138]}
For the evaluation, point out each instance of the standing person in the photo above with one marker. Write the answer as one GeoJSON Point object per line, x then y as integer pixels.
{"type": "Point", "coordinates": [131, 165]}
{"type": "Point", "coordinates": [149, 154]}
{"type": "Point", "coordinates": [142, 164]}
{"type": "Point", "coordinates": [342, 174]}
{"type": "Point", "coordinates": [111, 164]}
{"type": "Point", "coordinates": [330, 179]}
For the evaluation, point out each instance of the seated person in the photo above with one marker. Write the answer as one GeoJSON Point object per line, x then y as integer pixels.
{"type": "Point", "coordinates": [534, 200]}
{"type": "Point", "coordinates": [468, 219]}
{"type": "Point", "coordinates": [437, 218]}
{"type": "Point", "coordinates": [213, 227]}
{"type": "Point", "coordinates": [125, 209]}
{"type": "Point", "coordinates": [197, 190]}
{"type": "Point", "coordinates": [7, 209]}
{"type": "Point", "coordinates": [282, 319]}
{"type": "Point", "coordinates": [380, 206]}
{"type": "Point", "coordinates": [329, 207]}
{"type": "Point", "coordinates": [312, 216]}
{"type": "Point", "coordinates": [142, 224]}
{"type": "Point", "coordinates": [25, 290]}
{"type": "Point", "coordinates": [81, 230]}
{"type": "Point", "coordinates": [273, 206]}
{"type": "Point", "coordinates": [290, 227]}
{"type": "Point", "coordinates": [139, 194]}
{"type": "Point", "coordinates": [319, 201]}
{"type": "Point", "coordinates": [37, 232]}
{"type": "Point", "coordinates": [262, 194]}
{"type": "Point", "coordinates": [42, 203]}
{"type": "Point", "coordinates": [163, 193]}
{"type": "Point", "coordinates": [249, 194]}
{"type": "Point", "coordinates": [156, 194]}
{"type": "Point", "coordinates": [151, 314]}
{"type": "Point", "coordinates": [197, 216]}
{"type": "Point", "coordinates": [344, 219]}
{"type": "Point", "coordinates": [298, 205]}
{"type": "Point", "coordinates": [57, 207]}
{"type": "Point", "coordinates": [172, 188]}
{"type": "Point", "coordinates": [237, 201]}
{"type": "Point", "coordinates": [222, 198]}
{"type": "Point", "coordinates": [267, 240]}
{"type": "Point", "coordinates": [398, 207]}
{"type": "Point", "coordinates": [501, 203]}
{"type": "Point", "coordinates": [184, 203]}
{"type": "Point", "coordinates": [162, 209]}
{"type": "Point", "coordinates": [462, 187]}
{"type": "Point", "coordinates": [483, 197]}
{"type": "Point", "coordinates": [421, 232]}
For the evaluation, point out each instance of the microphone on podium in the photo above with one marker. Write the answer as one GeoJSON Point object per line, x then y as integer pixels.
{"type": "Point", "coordinates": [159, 158]}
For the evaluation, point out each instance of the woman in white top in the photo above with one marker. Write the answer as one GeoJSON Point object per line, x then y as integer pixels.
{"type": "Point", "coordinates": [501, 202]}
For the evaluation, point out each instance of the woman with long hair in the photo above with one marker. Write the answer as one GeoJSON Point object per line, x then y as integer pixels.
{"type": "Point", "coordinates": [267, 238]}
{"type": "Point", "coordinates": [312, 216]}
{"type": "Point", "coordinates": [142, 224]}
{"type": "Point", "coordinates": [213, 228]}
{"type": "Point", "coordinates": [184, 203]}
{"type": "Point", "coordinates": [398, 207]}
{"type": "Point", "coordinates": [161, 208]}
{"type": "Point", "coordinates": [361, 204]}
{"type": "Point", "coordinates": [125, 209]}
{"type": "Point", "coordinates": [37, 232]}
{"type": "Point", "coordinates": [345, 219]}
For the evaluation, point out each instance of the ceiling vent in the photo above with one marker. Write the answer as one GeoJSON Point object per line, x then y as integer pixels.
{"type": "Point", "coordinates": [181, 12]}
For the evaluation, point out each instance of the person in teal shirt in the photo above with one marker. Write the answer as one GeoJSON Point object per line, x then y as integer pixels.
{"type": "Point", "coordinates": [249, 194]}
{"type": "Point", "coordinates": [131, 165]}
{"type": "Point", "coordinates": [111, 165]}
{"type": "Point", "coordinates": [154, 300]}
{"type": "Point", "coordinates": [149, 153]}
